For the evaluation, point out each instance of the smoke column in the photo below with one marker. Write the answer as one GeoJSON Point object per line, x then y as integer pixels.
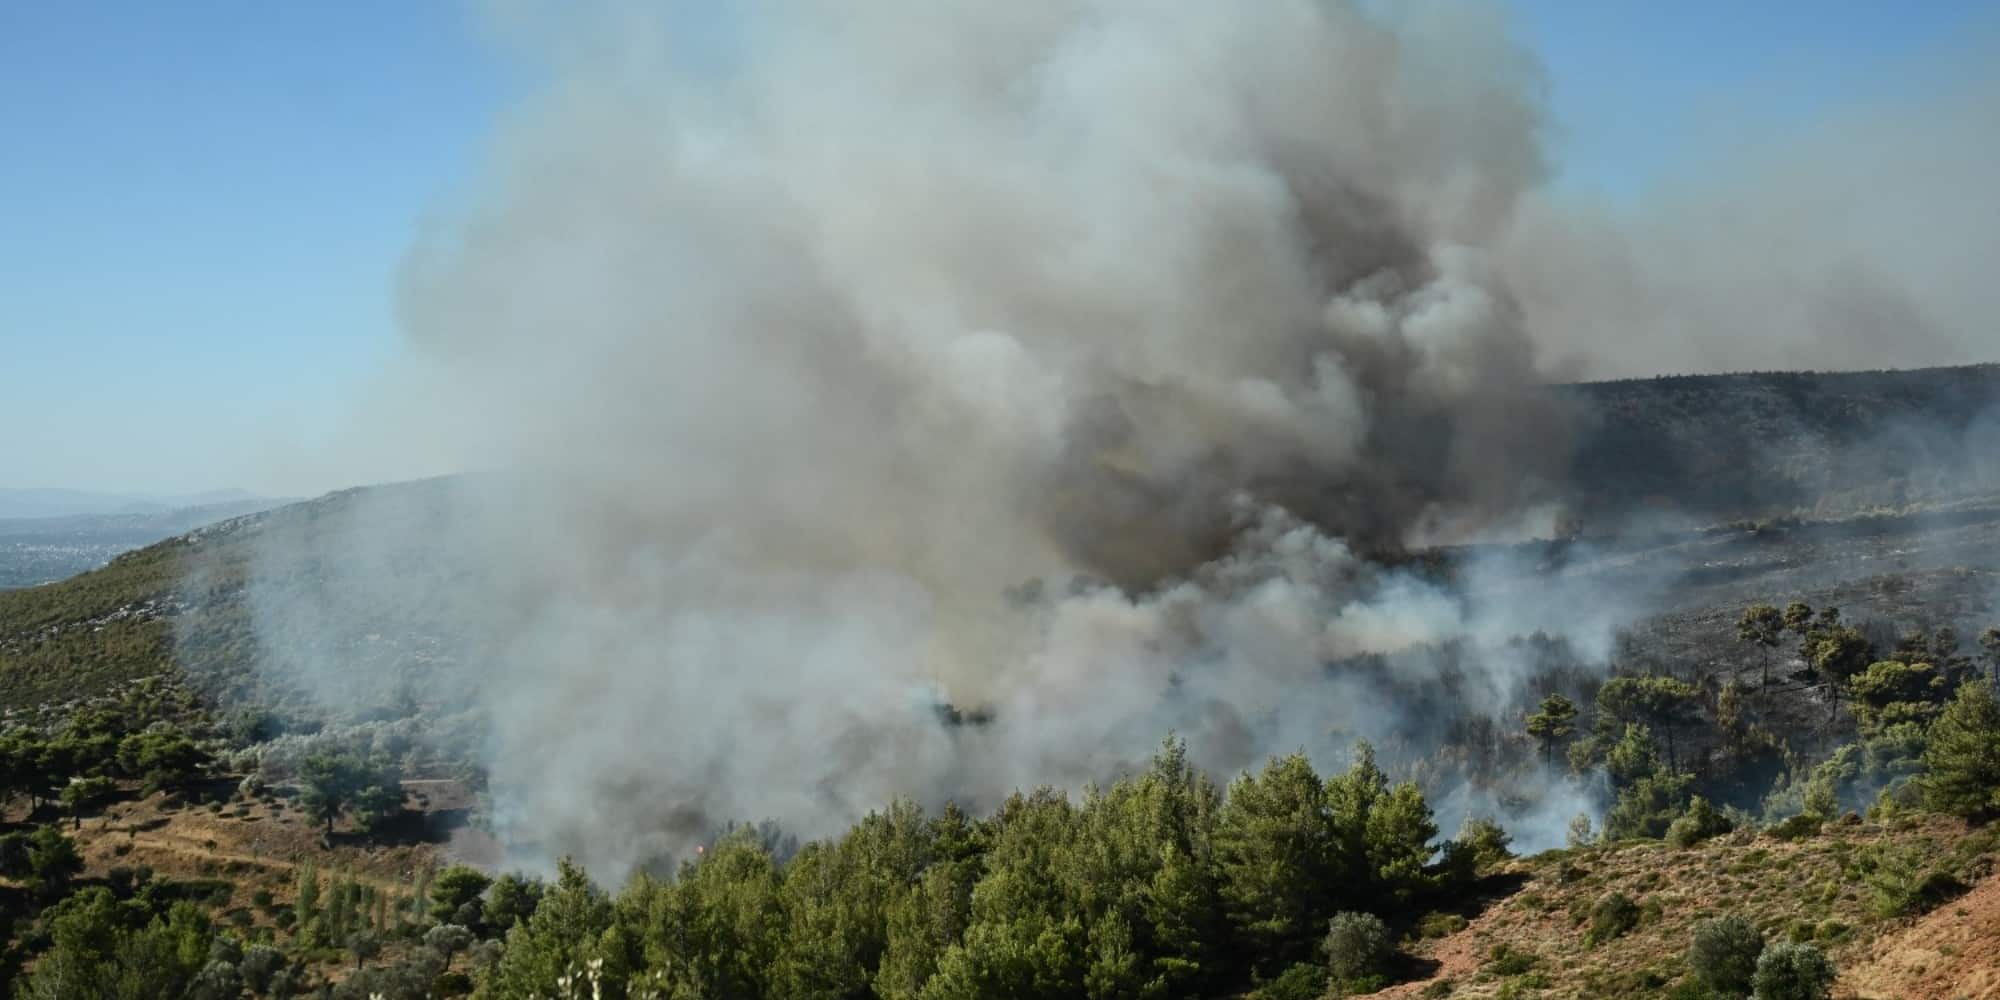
{"type": "Point", "coordinates": [794, 367]}
{"type": "Point", "coordinates": [1088, 362]}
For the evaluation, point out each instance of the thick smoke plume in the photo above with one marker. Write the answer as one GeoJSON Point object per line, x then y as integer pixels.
{"type": "Point", "coordinates": [796, 367]}
{"type": "Point", "coordinates": [1075, 274]}
{"type": "Point", "coordinates": [1083, 363]}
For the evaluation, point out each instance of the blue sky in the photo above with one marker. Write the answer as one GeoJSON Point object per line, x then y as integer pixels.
{"type": "Point", "coordinates": [202, 210]}
{"type": "Point", "coordinates": [203, 205]}
{"type": "Point", "coordinates": [1639, 90]}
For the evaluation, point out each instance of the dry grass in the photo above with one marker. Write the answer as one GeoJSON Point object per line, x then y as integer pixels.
{"type": "Point", "coordinates": [1954, 951]}
{"type": "Point", "coordinates": [1534, 942]}
{"type": "Point", "coordinates": [241, 859]}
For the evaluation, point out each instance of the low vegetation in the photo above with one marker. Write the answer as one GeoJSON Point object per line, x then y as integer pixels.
{"type": "Point", "coordinates": [1286, 883]}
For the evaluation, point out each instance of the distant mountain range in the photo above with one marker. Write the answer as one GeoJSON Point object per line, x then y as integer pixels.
{"type": "Point", "coordinates": [36, 503]}
{"type": "Point", "coordinates": [42, 549]}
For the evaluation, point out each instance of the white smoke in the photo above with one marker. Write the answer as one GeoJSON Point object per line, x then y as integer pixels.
{"type": "Point", "coordinates": [1854, 240]}
{"type": "Point", "coordinates": [1069, 360]}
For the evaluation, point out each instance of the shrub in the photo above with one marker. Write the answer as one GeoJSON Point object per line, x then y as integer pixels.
{"type": "Point", "coordinates": [1301, 981]}
{"type": "Point", "coordinates": [1357, 948]}
{"type": "Point", "coordinates": [225, 949]}
{"type": "Point", "coordinates": [1902, 886]}
{"type": "Point", "coordinates": [260, 964]}
{"type": "Point", "coordinates": [122, 881]}
{"type": "Point", "coordinates": [1648, 806]}
{"type": "Point", "coordinates": [452, 984]}
{"type": "Point", "coordinates": [1690, 988]}
{"type": "Point", "coordinates": [218, 980]}
{"type": "Point", "coordinates": [51, 860]}
{"type": "Point", "coordinates": [1507, 961]}
{"type": "Point", "coordinates": [1796, 828]}
{"type": "Point", "coordinates": [286, 983]}
{"type": "Point", "coordinates": [1699, 823]}
{"type": "Point", "coordinates": [456, 886]}
{"type": "Point", "coordinates": [1898, 894]}
{"type": "Point", "coordinates": [1437, 925]}
{"type": "Point", "coordinates": [1900, 797]}
{"type": "Point", "coordinates": [448, 940]}
{"type": "Point", "coordinates": [1611, 918]}
{"type": "Point", "coordinates": [1793, 972]}
{"type": "Point", "coordinates": [1580, 832]}
{"type": "Point", "coordinates": [363, 945]}
{"type": "Point", "coordinates": [1488, 843]}
{"type": "Point", "coordinates": [1724, 954]}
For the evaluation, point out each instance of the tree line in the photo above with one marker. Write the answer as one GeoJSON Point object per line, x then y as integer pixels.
{"type": "Point", "coordinates": [1160, 885]}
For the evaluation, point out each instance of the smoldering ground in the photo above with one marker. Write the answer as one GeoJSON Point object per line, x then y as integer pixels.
{"type": "Point", "coordinates": [1090, 363]}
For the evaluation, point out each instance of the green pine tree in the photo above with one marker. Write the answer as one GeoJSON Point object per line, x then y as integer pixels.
{"type": "Point", "coordinates": [1962, 758]}
{"type": "Point", "coordinates": [1552, 723]}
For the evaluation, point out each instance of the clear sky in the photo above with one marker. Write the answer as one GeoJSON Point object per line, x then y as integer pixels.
{"type": "Point", "coordinates": [203, 205]}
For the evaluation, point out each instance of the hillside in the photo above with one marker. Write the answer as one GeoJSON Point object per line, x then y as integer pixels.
{"type": "Point", "coordinates": [1721, 447]}
{"type": "Point", "coordinates": [1850, 888]}
{"type": "Point", "coordinates": [176, 607]}
{"type": "Point", "coordinates": [144, 683]}
{"type": "Point", "coordinates": [1901, 448]}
